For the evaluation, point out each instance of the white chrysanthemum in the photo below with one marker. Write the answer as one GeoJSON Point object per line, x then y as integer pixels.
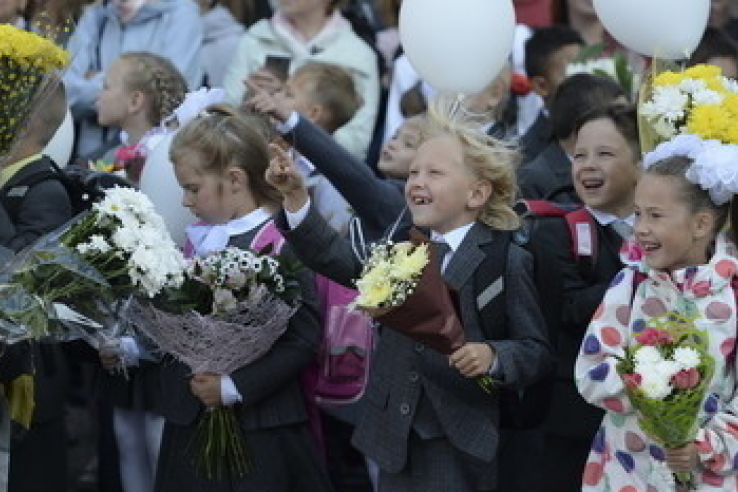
{"type": "Point", "coordinates": [670, 103]}
{"type": "Point", "coordinates": [647, 355]}
{"type": "Point", "coordinates": [692, 86]}
{"type": "Point", "coordinates": [667, 368]}
{"type": "Point", "coordinates": [707, 96]}
{"type": "Point", "coordinates": [687, 357]}
{"type": "Point", "coordinates": [730, 84]}
{"type": "Point", "coordinates": [654, 385]}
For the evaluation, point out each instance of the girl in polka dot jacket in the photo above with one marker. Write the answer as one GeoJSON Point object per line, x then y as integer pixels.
{"type": "Point", "coordinates": [679, 261]}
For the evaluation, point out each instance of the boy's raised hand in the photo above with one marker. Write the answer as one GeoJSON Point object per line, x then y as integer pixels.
{"type": "Point", "coordinates": [472, 359]}
{"type": "Point", "coordinates": [284, 176]}
{"type": "Point", "coordinates": [261, 101]}
{"type": "Point", "coordinates": [206, 387]}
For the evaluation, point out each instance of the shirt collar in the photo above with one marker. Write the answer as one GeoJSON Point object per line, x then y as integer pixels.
{"type": "Point", "coordinates": [606, 218]}
{"type": "Point", "coordinates": [206, 238]}
{"type": "Point", "coordinates": [452, 238]}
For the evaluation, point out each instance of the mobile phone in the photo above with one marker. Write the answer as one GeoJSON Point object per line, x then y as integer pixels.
{"type": "Point", "coordinates": [279, 66]}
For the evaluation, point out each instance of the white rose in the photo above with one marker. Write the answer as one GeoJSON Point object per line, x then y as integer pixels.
{"type": "Point", "coordinates": [654, 385]}
{"type": "Point", "coordinates": [647, 355]}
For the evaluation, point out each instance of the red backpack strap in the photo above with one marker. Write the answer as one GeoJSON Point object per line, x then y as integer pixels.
{"type": "Point", "coordinates": [541, 208]}
{"type": "Point", "coordinates": [268, 234]}
{"type": "Point", "coordinates": [583, 234]}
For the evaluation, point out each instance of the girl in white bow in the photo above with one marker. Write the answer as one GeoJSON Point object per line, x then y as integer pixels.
{"type": "Point", "coordinates": [681, 263]}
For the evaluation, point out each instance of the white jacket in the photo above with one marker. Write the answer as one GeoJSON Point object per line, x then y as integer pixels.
{"type": "Point", "coordinates": [341, 47]}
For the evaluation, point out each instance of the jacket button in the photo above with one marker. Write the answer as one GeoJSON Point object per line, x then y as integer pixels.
{"type": "Point", "coordinates": [414, 376]}
{"type": "Point", "coordinates": [405, 409]}
{"type": "Point", "coordinates": [419, 348]}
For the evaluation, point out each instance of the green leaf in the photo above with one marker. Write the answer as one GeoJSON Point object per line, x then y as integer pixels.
{"type": "Point", "coordinates": [590, 52]}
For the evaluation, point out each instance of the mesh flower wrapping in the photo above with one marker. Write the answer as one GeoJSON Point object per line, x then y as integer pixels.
{"type": "Point", "coordinates": [26, 62]}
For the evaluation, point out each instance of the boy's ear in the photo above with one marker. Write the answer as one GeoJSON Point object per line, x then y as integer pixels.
{"type": "Point", "coordinates": [479, 194]}
{"type": "Point", "coordinates": [540, 86]}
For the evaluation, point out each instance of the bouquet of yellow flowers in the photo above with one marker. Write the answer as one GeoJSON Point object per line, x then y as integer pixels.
{"type": "Point", "coordinates": [27, 64]}
{"type": "Point", "coordinates": [401, 287]}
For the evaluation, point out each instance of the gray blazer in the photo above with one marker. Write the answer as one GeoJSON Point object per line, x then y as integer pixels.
{"type": "Point", "coordinates": [413, 387]}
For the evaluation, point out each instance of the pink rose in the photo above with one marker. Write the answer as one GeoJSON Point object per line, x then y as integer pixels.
{"type": "Point", "coordinates": [654, 337]}
{"type": "Point", "coordinates": [686, 379]}
{"type": "Point", "coordinates": [632, 380]}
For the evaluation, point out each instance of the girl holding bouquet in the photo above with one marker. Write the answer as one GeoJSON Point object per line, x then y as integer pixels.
{"type": "Point", "coordinates": [659, 354]}
{"type": "Point", "coordinates": [424, 420]}
{"type": "Point", "coordinates": [220, 161]}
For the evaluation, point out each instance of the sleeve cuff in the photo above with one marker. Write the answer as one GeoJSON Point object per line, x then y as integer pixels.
{"type": "Point", "coordinates": [290, 124]}
{"type": "Point", "coordinates": [131, 351]}
{"type": "Point", "coordinates": [495, 370]}
{"type": "Point", "coordinates": [294, 219]}
{"type": "Point", "coordinates": [229, 395]}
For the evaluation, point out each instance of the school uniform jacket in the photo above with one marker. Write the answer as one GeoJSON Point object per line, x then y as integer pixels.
{"type": "Point", "coordinates": [413, 387]}
{"type": "Point", "coordinates": [537, 138]}
{"type": "Point", "coordinates": [584, 287]}
{"type": "Point", "coordinates": [269, 386]}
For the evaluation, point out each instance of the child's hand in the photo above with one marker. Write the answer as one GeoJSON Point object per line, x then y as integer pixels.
{"type": "Point", "coordinates": [274, 105]}
{"type": "Point", "coordinates": [682, 460]}
{"type": "Point", "coordinates": [473, 359]}
{"type": "Point", "coordinates": [264, 80]}
{"type": "Point", "coordinates": [283, 175]}
{"type": "Point", "coordinates": [206, 386]}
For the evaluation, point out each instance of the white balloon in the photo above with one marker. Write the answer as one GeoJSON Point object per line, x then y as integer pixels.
{"type": "Point", "coordinates": [457, 46]}
{"type": "Point", "coordinates": [60, 146]}
{"type": "Point", "coordinates": [159, 183]}
{"type": "Point", "coordinates": [668, 29]}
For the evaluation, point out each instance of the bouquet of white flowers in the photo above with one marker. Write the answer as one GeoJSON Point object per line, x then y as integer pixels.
{"type": "Point", "coordinates": [120, 247]}
{"type": "Point", "coordinates": [666, 374]}
{"type": "Point", "coordinates": [232, 307]}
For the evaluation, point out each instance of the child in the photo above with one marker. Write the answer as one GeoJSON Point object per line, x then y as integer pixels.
{"type": "Point", "coordinates": [547, 53]}
{"type": "Point", "coordinates": [324, 94]}
{"type": "Point", "coordinates": [605, 170]}
{"type": "Point", "coordinates": [719, 49]}
{"type": "Point", "coordinates": [220, 162]}
{"type": "Point", "coordinates": [427, 425]}
{"type": "Point", "coordinates": [689, 267]}
{"type": "Point", "coordinates": [140, 90]}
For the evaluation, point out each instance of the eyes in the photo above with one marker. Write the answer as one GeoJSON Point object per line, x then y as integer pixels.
{"type": "Point", "coordinates": [600, 154]}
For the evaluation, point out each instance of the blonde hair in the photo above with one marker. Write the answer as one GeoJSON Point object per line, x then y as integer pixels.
{"type": "Point", "coordinates": [225, 137]}
{"type": "Point", "coordinates": [158, 79]}
{"type": "Point", "coordinates": [487, 158]}
{"type": "Point", "coordinates": [333, 88]}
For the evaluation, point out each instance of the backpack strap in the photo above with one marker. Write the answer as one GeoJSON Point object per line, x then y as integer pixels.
{"type": "Point", "coordinates": [583, 235]}
{"type": "Point", "coordinates": [12, 197]}
{"type": "Point", "coordinates": [268, 234]}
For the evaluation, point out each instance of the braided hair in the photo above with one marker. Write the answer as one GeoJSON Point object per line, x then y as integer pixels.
{"type": "Point", "coordinates": [158, 79]}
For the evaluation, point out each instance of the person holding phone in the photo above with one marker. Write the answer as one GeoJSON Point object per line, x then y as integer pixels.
{"type": "Point", "coordinates": [301, 31]}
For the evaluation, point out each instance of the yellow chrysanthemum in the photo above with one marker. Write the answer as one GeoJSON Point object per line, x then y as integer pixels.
{"type": "Point", "coordinates": [29, 50]}
{"type": "Point", "coordinates": [408, 265]}
{"type": "Point", "coordinates": [703, 72]}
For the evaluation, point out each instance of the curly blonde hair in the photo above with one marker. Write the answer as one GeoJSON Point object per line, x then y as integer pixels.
{"type": "Point", "coordinates": [488, 159]}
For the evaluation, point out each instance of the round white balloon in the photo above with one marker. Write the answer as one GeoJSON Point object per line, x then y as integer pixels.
{"type": "Point", "coordinates": [159, 183]}
{"type": "Point", "coordinates": [668, 29]}
{"type": "Point", "coordinates": [457, 46]}
{"type": "Point", "coordinates": [60, 146]}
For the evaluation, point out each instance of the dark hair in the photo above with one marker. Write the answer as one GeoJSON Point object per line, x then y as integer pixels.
{"type": "Point", "coordinates": [225, 137]}
{"type": "Point", "coordinates": [544, 43]}
{"type": "Point", "coordinates": [697, 198]}
{"type": "Point", "coordinates": [578, 95]}
{"type": "Point", "coordinates": [715, 43]}
{"type": "Point", "coordinates": [625, 119]}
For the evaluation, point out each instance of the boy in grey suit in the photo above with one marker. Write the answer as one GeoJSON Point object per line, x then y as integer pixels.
{"type": "Point", "coordinates": [425, 421]}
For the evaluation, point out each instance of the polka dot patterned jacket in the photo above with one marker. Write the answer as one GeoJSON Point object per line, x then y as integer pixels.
{"type": "Point", "coordinates": [623, 458]}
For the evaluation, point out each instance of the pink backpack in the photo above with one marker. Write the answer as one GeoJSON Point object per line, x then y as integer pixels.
{"type": "Point", "coordinates": [341, 372]}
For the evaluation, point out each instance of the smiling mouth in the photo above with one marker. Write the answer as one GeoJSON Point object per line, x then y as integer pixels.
{"type": "Point", "coordinates": [649, 247]}
{"type": "Point", "coordinates": [592, 184]}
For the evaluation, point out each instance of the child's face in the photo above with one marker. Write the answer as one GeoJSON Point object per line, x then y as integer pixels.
{"type": "Point", "coordinates": [205, 194]}
{"type": "Point", "coordinates": [728, 64]}
{"type": "Point", "coordinates": [604, 170]}
{"type": "Point", "coordinates": [399, 151]}
{"type": "Point", "coordinates": [441, 192]}
{"type": "Point", "coordinates": [112, 102]}
{"type": "Point", "coordinates": [556, 68]}
{"type": "Point", "coordinates": [671, 234]}
{"type": "Point", "coordinates": [128, 8]}
{"type": "Point", "coordinates": [300, 8]}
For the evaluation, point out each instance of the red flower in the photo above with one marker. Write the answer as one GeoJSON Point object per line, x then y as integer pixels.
{"type": "Point", "coordinates": [632, 380]}
{"type": "Point", "coordinates": [654, 337]}
{"type": "Point", "coordinates": [686, 379]}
